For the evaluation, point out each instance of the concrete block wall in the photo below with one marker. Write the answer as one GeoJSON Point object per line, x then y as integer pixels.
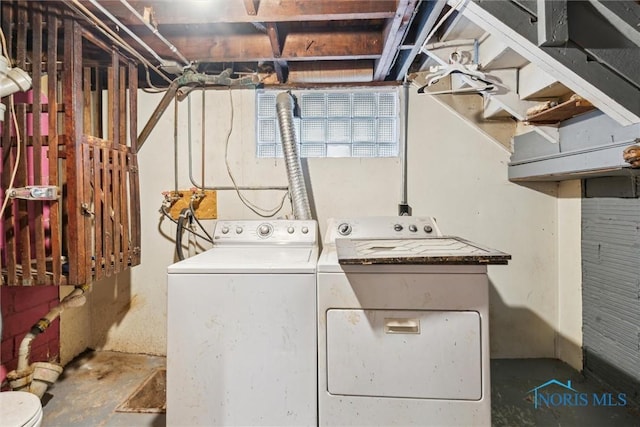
{"type": "Point", "coordinates": [22, 307]}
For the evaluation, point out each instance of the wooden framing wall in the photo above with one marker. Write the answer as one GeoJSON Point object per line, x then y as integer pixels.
{"type": "Point", "coordinates": [70, 141]}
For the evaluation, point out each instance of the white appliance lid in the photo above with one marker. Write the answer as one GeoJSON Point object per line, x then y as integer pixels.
{"type": "Point", "coordinates": [249, 260]}
{"type": "Point", "coordinates": [437, 250]}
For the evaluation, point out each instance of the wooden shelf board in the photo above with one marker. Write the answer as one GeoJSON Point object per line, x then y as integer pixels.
{"type": "Point", "coordinates": [560, 112]}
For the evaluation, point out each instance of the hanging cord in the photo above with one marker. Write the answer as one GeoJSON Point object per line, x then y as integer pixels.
{"type": "Point", "coordinates": [203, 136]}
{"type": "Point", "coordinates": [12, 112]}
{"type": "Point", "coordinates": [264, 213]}
{"type": "Point", "coordinates": [185, 216]}
{"type": "Point", "coordinates": [207, 237]}
{"type": "Point", "coordinates": [175, 144]}
{"type": "Point", "coordinates": [195, 217]}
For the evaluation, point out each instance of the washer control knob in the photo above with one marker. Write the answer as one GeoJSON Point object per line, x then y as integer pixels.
{"type": "Point", "coordinates": [305, 230]}
{"type": "Point", "coordinates": [413, 228]}
{"type": "Point", "coordinates": [344, 229]}
{"type": "Point", "coordinates": [225, 229]}
{"type": "Point", "coordinates": [398, 227]}
{"type": "Point", "coordinates": [264, 230]}
{"type": "Point", "coordinates": [290, 230]}
{"type": "Point", "coordinates": [238, 230]}
{"type": "Point", "coordinates": [428, 229]}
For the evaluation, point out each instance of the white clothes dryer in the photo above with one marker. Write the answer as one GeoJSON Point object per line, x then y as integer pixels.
{"type": "Point", "coordinates": [403, 325]}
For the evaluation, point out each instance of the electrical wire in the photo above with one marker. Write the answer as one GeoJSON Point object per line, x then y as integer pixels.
{"type": "Point", "coordinates": [264, 213]}
{"type": "Point", "coordinates": [77, 7]}
{"type": "Point", "coordinates": [195, 217]}
{"type": "Point", "coordinates": [165, 212]}
{"type": "Point", "coordinates": [12, 112]}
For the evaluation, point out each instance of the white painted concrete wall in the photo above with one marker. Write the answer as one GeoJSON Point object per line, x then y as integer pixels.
{"type": "Point", "coordinates": [456, 174]}
{"type": "Point", "coordinates": [569, 339]}
{"type": "Point", "coordinates": [459, 176]}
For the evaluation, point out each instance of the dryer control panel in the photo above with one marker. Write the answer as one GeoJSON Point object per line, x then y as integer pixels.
{"type": "Point", "coordinates": [383, 227]}
{"type": "Point", "coordinates": [273, 232]}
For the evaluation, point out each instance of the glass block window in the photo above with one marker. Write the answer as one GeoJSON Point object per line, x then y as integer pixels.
{"type": "Point", "coordinates": [336, 123]}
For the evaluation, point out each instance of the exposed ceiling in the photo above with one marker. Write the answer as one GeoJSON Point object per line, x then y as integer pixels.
{"type": "Point", "coordinates": [302, 41]}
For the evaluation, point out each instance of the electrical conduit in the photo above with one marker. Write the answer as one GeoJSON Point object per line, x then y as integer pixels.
{"type": "Point", "coordinates": [297, 187]}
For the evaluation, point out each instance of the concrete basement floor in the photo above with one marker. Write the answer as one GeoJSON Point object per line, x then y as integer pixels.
{"type": "Point", "coordinates": [95, 383]}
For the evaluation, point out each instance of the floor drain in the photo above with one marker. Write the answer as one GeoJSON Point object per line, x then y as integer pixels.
{"type": "Point", "coordinates": [149, 397]}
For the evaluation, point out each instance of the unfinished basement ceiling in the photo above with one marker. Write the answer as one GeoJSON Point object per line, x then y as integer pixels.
{"type": "Point", "coordinates": [286, 41]}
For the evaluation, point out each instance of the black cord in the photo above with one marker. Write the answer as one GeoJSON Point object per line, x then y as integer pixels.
{"type": "Point", "coordinates": [181, 219]}
{"type": "Point", "coordinates": [165, 212]}
{"type": "Point", "coordinates": [193, 215]}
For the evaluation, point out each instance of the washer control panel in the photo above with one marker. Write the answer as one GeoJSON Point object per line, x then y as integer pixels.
{"type": "Point", "coordinates": [267, 231]}
{"type": "Point", "coordinates": [388, 227]}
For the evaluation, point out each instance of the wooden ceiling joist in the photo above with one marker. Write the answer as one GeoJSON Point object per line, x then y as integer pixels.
{"type": "Point", "coordinates": [393, 35]}
{"type": "Point", "coordinates": [280, 66]}
{"type": "Point", "coordinates": [296, 46]}
{"type": "Point", "coordinates": [186, 12]}
{"type": "Point", "coordinates": [252, 6]}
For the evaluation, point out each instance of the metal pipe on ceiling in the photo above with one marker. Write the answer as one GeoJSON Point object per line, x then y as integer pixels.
{"type": "Point", "coordinates": [82, 10]}
{"type": "Point", "coordinates": [155, 31]}
{"type": "Point", "coordinates": [127, 30]}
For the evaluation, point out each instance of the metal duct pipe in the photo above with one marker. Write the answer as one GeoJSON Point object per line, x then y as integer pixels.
{"type": "Point", "coordinates": [297, 187]}
{"type": "Point", "coordinates": [155, 31]}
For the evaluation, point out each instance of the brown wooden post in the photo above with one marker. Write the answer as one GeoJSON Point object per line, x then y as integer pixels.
{"type": "Point", "coordinates": [79, 261]}
{"type": "Point", "coordinates": [53, 140]}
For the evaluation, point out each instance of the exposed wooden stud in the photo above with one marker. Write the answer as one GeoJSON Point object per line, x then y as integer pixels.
{"type": "Point", "coordinates": [22, 220]}
{"type": "Point", "coordinates": [98, 201]}
{"type": "Point", "coordinates": [124, 209]}
{"type": "Point", "coordinates": [52, 95]}
{"type": "Point", "coordinates": [72, 86]}
{"type": "Point", "coordinates": [393, 35]}
{"type": "Point", "coordinates": [132, 169]}
{"type": "Point", "coordinates": [122, 94]}
{"type": "Point", "coordinates": [114, 212]}
{"type": "Point", "coordinates": [280, 66]}
{"type": "Point", "coordinates": [87, 118]}
{"type": "Point", "coordinates": [252, 6]}
{"type": "Point", "coordinates": [38, 206]}
{"type": "Point", "coordinates": [23, 210]}
{"type": "Point", "coordinates": [107, 224]}
{"type": "Point", "coordinates": [274, 39]}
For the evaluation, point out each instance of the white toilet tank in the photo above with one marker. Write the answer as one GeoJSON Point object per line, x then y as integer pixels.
{"type": "Point", "coordinates": [20, 409]}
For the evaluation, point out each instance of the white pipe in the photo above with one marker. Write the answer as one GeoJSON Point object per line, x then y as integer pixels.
{"type": "Point", "coordinates": [75, 299]}
{"type": "Point", "coordinates": [79, 8]}
{"type": "Point", "coordinates": [299, 198]}
{"type": "Point", "coordinates": [155, 31]}
{"type": "Point", "coordinates": [127, 30]}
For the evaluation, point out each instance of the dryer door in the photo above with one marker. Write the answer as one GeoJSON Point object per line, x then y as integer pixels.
{"type": "Point", "coordinates": [411, 354]}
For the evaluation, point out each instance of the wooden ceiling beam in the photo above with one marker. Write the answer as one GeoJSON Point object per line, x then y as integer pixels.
{"type": "Point", "coordinates": [281, 67]}
{"type": "Point", "coordinates": [185, 12]}
{"type": "Point", "coordinates": [252, 6]}
{"type": "Point", "coordinates": [393, 35]}
{"type": "Point", "coordinates": [258, 47]}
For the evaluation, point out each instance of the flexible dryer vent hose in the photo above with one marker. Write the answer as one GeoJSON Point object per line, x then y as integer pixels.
{"type": "Point", "coordinates": [297, 187]}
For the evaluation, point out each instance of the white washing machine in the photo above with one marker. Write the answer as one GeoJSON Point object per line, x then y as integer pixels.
{"type": "Point", "coordinates": [403, 325]}
{"type": "Point", "coordinates": [241, 344]}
